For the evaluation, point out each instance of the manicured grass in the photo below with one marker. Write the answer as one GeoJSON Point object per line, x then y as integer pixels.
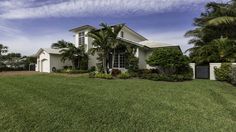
{"type": "Point", "coordinates": [59, 103]}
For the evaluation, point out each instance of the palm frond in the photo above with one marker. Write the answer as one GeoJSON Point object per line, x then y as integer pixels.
{"type": "Point", "coordinates": [227, 20]}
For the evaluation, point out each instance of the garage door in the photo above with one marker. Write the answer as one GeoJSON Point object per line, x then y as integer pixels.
{"type": "Point", "coordinates": [44, 65]}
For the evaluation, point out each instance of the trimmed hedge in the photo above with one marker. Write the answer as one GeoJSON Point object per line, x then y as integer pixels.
{"type": "Point", "coordinates": [233, 75]}
{"type": "Point", "coordinates": [103, 76]}
{"type": "Point", "coordinates": [124, 75]}
{"type": "Point", "coordinates": [153, 74]}
{"type": "Point", "coordinates": [70, 71]}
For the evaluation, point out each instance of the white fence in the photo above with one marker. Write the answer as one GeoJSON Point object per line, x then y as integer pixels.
{"type": "Point", "coordinates": [212, 67]}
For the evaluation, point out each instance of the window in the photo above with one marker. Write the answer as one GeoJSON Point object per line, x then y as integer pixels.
{"type": "Point", "coordinates": [116, 61]}
{"type": "Point", "coordinates": [119, 61]}
{"type": "Point", "coordinates": [122, 60]}
{"type": "Point", "coordinates": [122, 34]}
{"type": "Point", "coordinates": [81, 38]}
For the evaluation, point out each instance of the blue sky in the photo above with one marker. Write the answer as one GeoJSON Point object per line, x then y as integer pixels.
{"type": "Point", "coordinates": [27, 25]}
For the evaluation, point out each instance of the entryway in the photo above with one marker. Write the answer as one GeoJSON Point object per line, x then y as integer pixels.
{"type": "Point", "coordinates": [202, 72]}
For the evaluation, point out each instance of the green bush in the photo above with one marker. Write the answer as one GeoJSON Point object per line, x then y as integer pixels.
{"type": "Point", "coordinates": [154, 75]}
{"type": "Point", "coordinates": [168, 60]}
{"type": "Point", "coordinates": [72, 71]}
{"type": "Point", "coordinates": [103, 76]}
{"type": "Point", "coordinates": [115, 72]}
{"type": "Point", "coordinates": [233, 75]}
{"type": "Point", "coordinates": [223, 73]}
{"type": "Point", "coordinates": [132, 64]}
{"type": "Point", "coordinates": [124, 75]}
{"type": "Point", "coordinates": [92, 75]}
{"type": "Point", "coordinates": [92, 69]}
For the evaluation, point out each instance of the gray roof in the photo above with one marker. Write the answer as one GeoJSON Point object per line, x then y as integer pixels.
{"type": "Point", "coordinates": [154, 44]}
{"type": "Point", "coordinates": [82, 28]}
{"type": "Point", "coordinates": [52, 51]}
{"type": "Point", "coordinates": [91, 27]}
{"type": "Point", "coordinates": [49, 51]}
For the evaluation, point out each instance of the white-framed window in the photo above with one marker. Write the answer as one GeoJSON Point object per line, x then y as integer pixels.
{"type": "Point", "coordinates": [119, 61]}
{"type": "Point", "coordinates": [81, 38]}
{"type": "Point", "coordinates": [122, 34]}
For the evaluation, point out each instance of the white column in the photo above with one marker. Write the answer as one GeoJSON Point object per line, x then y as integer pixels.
{"type": "Point", "coordinates": [192, 65]}
{"type": "Point", "coordinates": [212, 70]}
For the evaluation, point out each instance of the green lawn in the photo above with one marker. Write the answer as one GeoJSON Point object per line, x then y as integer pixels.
{"type": "Point", "coordinates": [57, 103]}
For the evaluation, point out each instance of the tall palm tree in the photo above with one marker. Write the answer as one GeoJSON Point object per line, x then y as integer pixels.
{"type": "Point", "coordinates": [3, 49]}
{"type": "Point", "coordinates": [76, 55]}
{"type": "Point", "coordinates": [105, 41]}
{"type": "Point", "coordinates": [214, 28]}
{"type": "Point", "coordinates": [60, 44]}
{"type": "Point", "coordinates": [225, 14]}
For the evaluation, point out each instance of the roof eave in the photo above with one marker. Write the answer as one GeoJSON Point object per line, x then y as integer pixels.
{"type": "Point", "coordinates": [82, 28]}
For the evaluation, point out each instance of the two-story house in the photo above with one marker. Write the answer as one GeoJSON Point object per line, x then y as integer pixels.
{"type": "Point", "coordinates": [50, 59]}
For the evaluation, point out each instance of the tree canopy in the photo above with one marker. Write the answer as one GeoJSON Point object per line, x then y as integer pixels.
{"type": "Point", "coordinates": [214, 37]}
{"type": "Point", "coordinates": [168, 60]}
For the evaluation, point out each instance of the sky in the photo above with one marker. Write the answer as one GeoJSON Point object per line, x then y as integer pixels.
{"type": "Point", "coordinates": [28, 25]}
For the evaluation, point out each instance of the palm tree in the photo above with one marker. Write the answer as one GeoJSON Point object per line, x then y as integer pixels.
{"type": "Point", "coordinates": [3, 49]}
{"type": "Point", "coordinates": [105, 41]}
{"type": "Point", "coordinates": [70, 52]}
{"type": "Point", "coordinates": [60, 44]}
{"type": "Point", "coordinates": [225, 14]}
{"type": "Point", "coordinates": [214, 28]}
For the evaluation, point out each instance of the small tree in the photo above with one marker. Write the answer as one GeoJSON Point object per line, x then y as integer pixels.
{"type": "Point", "coordinates": [168, 60]}
{"type": "Point", "coordinates": [76, 55]}
{"type": "Point", "coordinates": [3, 49]}
{"type": "Point", "coordinates": [105, 42]}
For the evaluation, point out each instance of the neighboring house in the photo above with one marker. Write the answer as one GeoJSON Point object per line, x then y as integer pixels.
{"type": "Point", "coordinates": [49, 59]}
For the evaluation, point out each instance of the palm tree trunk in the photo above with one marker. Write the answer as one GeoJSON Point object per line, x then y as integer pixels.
{"type": "Point", "coordinates": [104, 64]}
{"type": "Point", "coordinates": [113, 58]}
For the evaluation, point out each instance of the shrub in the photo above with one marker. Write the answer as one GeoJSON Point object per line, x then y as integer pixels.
{"type": "Point", "coordinates": [92, 75]}
{"type": "Point", "coordinates": [223, 73]}
{"type": "Point", "coordinates": [124, 75]}
{"type": "Point", "coordinates": [153, 75]}
{"type": "Point", "coordinates": [92, 69]}
{"type": "Point", "coordinates": [132, 63]}
{"type": "Point", "coordinates": [168, 60]}
{"type": "Point", "coordinates": [233, 75]}
{"type": "Point", "coordinates": [71, 71]}
{"type": "Point", "coordinates": [103, 76]}
{"type": "Point", "coordinates": [65, 67]}
{"type": "Point", "coordinates": [115, 72]}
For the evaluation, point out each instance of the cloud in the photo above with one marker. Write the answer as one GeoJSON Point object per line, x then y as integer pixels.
{"type": "Point", "coordinates": [19, 42]}
{"type": "Point", "coordinates": [16, 9]}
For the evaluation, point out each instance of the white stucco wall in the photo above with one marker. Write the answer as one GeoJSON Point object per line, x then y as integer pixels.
{"type": "Point", "coordinates": [193, 66]}
{"type": "Point", "coordinates": [142, 58]}
{"type": "Point", "coordinates": [212, 70]}
{"type": "Point", "coordinates": [87, 40]}
{"type": "Point", "coordinates": [55, 61]}
{"type": "Point", "coordinates": [42, 57]}
{"type": "Point", "coordinates": [130, 35]}
{"type": "Point", "coordinates": [49, 61]}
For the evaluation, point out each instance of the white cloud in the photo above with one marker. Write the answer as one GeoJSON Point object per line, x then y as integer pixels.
{"type": "Point", "coordinates": [28, 45]}
{"type": "Point", "coordinates": [79, 8]}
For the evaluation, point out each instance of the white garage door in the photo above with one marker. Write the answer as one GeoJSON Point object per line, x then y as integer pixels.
{"type": "Point", "coordinates": [44, 66]}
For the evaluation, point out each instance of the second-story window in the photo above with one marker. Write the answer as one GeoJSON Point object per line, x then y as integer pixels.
{"type": "Point", "coordinates": [81, 38]}
{"type": "Point", "coordinates": [122, 34]}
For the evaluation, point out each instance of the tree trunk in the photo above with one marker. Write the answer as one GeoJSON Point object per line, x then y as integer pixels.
{"type": "Point", "coordinates": [104, 64]}
{"type": "Point", "coordinates": [113, 58]}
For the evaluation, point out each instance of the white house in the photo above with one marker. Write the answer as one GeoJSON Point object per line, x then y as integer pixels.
{"type": "Point", "coordinates": [50, 59]}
